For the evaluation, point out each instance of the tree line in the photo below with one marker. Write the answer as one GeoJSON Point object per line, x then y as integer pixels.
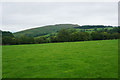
{"type": "Point", "coordinates": [92, 26]}
{"type": "Point", "coordinates": [64, 35]}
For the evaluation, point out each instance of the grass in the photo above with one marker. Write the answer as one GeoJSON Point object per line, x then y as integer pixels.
{"type": "Point", "coordinates": [89, 59]}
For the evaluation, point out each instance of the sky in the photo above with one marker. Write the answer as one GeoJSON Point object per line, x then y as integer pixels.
{"type": "Point", "coordinates": [17, 16]}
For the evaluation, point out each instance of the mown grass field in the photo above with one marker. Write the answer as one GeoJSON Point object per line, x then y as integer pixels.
{"type": "Point", "coordinates": [89, 59]}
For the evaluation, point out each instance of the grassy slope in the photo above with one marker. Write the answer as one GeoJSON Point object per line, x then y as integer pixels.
{"type": "Point", "coordinates": [90, 59]}
{"type": "Point", "coordinates": [44, 30]}
{"type": "Point", "coordinates": [92, 30]}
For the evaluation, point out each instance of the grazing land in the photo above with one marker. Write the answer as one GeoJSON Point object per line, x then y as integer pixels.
{"type": "Point", "coordinates": [87, 59]}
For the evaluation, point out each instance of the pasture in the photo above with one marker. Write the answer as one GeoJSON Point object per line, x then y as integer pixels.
{"type": "Point", "coordinates": [87, 59]}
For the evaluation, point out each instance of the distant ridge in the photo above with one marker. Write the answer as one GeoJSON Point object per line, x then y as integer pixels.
{"type": "Point", "coordinates": [44, 30]}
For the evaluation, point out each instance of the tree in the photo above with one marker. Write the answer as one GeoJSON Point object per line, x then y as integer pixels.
{"type": "Point", "coordinates": [25, 40]}
{"type": "Point", "coordinates": [95, 29]}
{"type": "Point", "coordinates": [97, 36]}
{"type": "Point", "coordinates": [39, 40]}
{"type": "Point", "coordinates": [63, 35]}
{"type": "Point", "coordinates": [7, 33]}
{"type": "Point", "coordinates": [116, 36]}
{"type": "Point", "coordinates": [80, 36]}
{"type": "Point", "coordinates": [53, 39]}
{"type": "Point", "coordinates": [8, 38]}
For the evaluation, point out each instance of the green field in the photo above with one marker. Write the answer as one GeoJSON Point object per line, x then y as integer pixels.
{"type": "Point", "coordinates": [88, 59]}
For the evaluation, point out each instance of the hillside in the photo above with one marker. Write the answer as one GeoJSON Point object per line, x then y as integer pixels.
{"type": "Point", "coordinates": [44, 30]}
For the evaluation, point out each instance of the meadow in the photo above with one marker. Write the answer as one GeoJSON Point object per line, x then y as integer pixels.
{"type": "Point", "coordinates": [86, 59]}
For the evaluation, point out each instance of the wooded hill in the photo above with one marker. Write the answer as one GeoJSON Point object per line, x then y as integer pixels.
{"type": "Point", "coordinates": [67, 34]}
{"type": "Point", "coordinates": [44, 30]}
{"type": "Point", "coordinates": [34, 32]}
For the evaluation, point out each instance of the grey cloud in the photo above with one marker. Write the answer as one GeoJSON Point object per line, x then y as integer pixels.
{"type": "Point", "coordinates": [20, 16]}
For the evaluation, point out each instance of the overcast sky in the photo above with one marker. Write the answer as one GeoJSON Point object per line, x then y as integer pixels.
{"type": "Point", "coordinates": [17, 16]}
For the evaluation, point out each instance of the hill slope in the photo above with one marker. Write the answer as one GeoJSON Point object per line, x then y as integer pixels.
{"type": "Point", "coordinates": [44, 30]}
